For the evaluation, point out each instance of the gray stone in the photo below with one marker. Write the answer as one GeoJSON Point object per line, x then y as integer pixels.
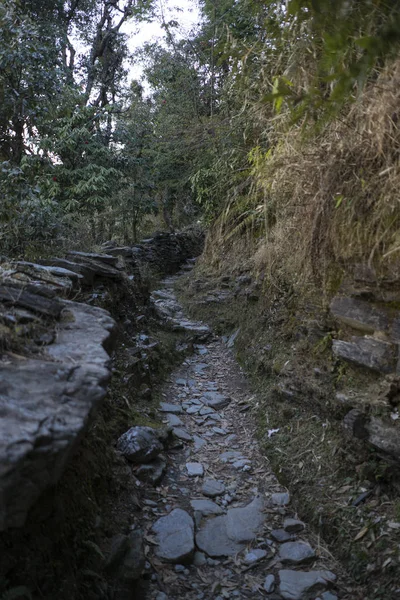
{"type": "Point", "coordinates": [170, 408]}
{"type": "Point", "coordinates": [212, 488]}
{"type": "Point", "coordinates": [161, 596]}
{"type": "Point", "coordinates": [280, 535]}
{"type": "Point", "coordinates": [293, 525]}
{"type": "Point", "coordinates": [182, 434]}
{"type": "Point", "coordinates": [215, 399]}
{"type": "Point", "coordinates": [206, 507]}
{"type": "Point", "coordinates": [367, 352]}
{"type": "Point", "coordinates": [198, 442]}
{"type": "Point", "coordinates": [139, 444]}
{"type": "Point", "coordinates": [192, 410]}
{"type": "Point", "coordinates": [152, 472]}
{"type": "Point", "coordinates": [254, 556]}
{"type": "Point", "coordinates": [269, 583]}
{"type": "Point", "coordinates": [359, 314]}
{"type": "Point", "coordinates": [280, 499]}
{"type": "Point", "coordinates": [239, 464]}
{"type": "Point", "coordinates": [195, 469]}
{"type": "Point", "coordinates": [180, 382]}
{"type": "Point", "coordinates": [329, 596]}
{"type": "Point", "coordinates": [173, 420]}
{"type": "Point", "coordinates": [231, 456]}
{"type": "Point", "coordinates": [207, 410]}
{"type": "Point", "coordinates": [294, 584]}
{"type": "Point", "coordinates": [175, 537]}
{"type": "Point", "coordinates": [46, 404]}
{"type": "Point", "coordinates": [104, 258]}
{"type": "Point", "coordinates": [199, 559]}
{"type": "Point", "coordinates": [219, 430]}
{"type": "Point", "coordinates": [226, 535]}
{"type": "Point", "coordinates": [295, 553]}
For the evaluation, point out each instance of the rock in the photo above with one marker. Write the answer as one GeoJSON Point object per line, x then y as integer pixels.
{"type": "Point", "coordinates": [280, 535]}
{"type": "Point", "coordinates": [152, 472]}
{"type": "Point", "coordinates": [198, 442]}
{"type": "Point", "coordinates": [294, 584]}
{"type": "Point", "coordinates": [161, 596]}
{"type": "Point", "coordinates": [269, 584]}
{"type": "Point", "coordinates": [175, 537]}
{"type": "Point", "coordinates": [254, 556]}
{"type": "Point", "coordinates": [207, 410]}
{"type": "Point", "coordinates": [195, 469]}
{"type": "Point", "coordinates": [87, 274]}
{"type": "Point", "coordinates": [173, 420]}
{"type": "Point", "coordinates": [359, 314]}
{"type": "Point", "coordinates": [231, 341]}
{"type": "Point", "coordinates": [199, 559]}
{"type": "Point", "coordinates": [29, 298]}
{"type": "Point", "coordinates": [139, 444]}
{"type": "Point", "coordinates": [45, 406]}
{"type": "Point", "coordinates": [215, 399]}
{"type": "Point", "coordinates": [170, 408]}
{"type": "Point", "coordinates": [212, 488]}
{"type": "Point", "coordinates": [382, 435]}
{"type": "Point", "coordinates": [192, 410]}
{"type": "Point", "coordinates": [103, 258]}
{"type": "Point", "coordinates": [280, 499]}
{"type": "Point", "coordinates": [231, 456]}
{"type": "Point", "coordinates": [295, 553]}
{"type": "Point", "coordinates": [239, 464]}
{"type": "Point", "coordinates": [293, 525]}
{"type": "Point", "coordinates": [368, 352]}
{"type": "Point", "coordinates": [182, 434]}
{"type": "Point", "coordinates": [328, 596]}
{"type": "Point", "coordinates": [226, 535]}
{"type": "Point", "coordinates": [206, 507]}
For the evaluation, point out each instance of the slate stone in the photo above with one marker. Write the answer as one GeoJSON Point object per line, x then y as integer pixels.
{"type": "Point", "coordinates": [152, 472]}
{"type": "Point", "coordinates": [219, 430]}
{"type": "Point", "coordinates": [206, 507]}
{"type": "Point", "coordinates": [199, 443]}
{"type": "Point", "coordinates": [295, 553]}
{"type": "Point", "coordinates": [231, 456]}
{"type": "Point", "coordinates": [200, 559]}
{"type": "Point", "coordinates": [254, 556]}
{"type": "Point", "coordinates": [294, 584]}
{"type": "Point", "coordinates": [280, 535]}
{"type": "Point", "coordinates": [173, 420]}
{"type": "Point", "coordinates": [192, 410]}
{"type": "Point", "coordinates": [195, 469]}
{"type": "Point", "coordinates": [280, 499]}
{"type": "Point", "coordinates": [328, 596]}
{"type": "Point", "coordinates": [269, 583]}
{"type": "Point", "coordinates": [368, 352]}
{"type": "Point", "coordinates": [175, 537]}
{"type": "Point", "coordinates": [139, 444]}
{"type": "Point", "coordinates": [215, 399]}
{"type": "Point", "coordinates": [170, 408]}
{"type": "Point", "coordinates": [359, 314]}
{"type": "Point", "coordinates": [239, 464]}
{"type": "Point", "coordinates": [182, 434]}
{"type": "Point", "coordinates": [207, 410]}
{"type": "Point", "coordinates": [293, 525]}
{"type": "Point", "coordinates": [212, 488]}
{"type": "Point", "coordinates": [226, 535]}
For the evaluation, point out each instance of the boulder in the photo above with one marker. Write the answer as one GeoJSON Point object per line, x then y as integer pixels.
{"type": "Point", "coordinates": [140, 445]}
{"type": "Point", "coordinates": [175, 537]}
{"type": "Point", "coordinates": [368, 352]}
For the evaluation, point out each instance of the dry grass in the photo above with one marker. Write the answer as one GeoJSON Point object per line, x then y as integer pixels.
{"type": "Point", "coordinates": [331, 200]}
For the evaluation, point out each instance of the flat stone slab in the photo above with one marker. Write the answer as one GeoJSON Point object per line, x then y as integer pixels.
{"type": "Point", "coordinates": [139, 444]}
{"type": "Point", "coordinates": [280, 535]}
{"type": "Point", "coordinates": [173, 420]}
{"type": "Point", "coordinates": [215, 399]}
{"type": "Point", "coordinates": [269, 583]}
{"type": "Point", "coordinates": [294, 584]}
{"type": "Point", "coordinates": [175, 537]}
{"type": "Point", "coordinates": [368, 352]}
{"type": "Point", "coordinates": [212, 488]}
{"type": "Point", "coordinates": [182, 434]}
{"type": "Point", "coordinates": [226, 535]}
{"type": "Point", "coordinates": [195, 469]}
{"type": "Point", "coordinates": [254, 556]}
{"type": "Point", "coordinates": [231, 456]}
{"type": "Point", "coordinates": [293, 525]}
{"type": "Point", "coordinates": [296, 553]}
{"type": "Point", "coordinates": [171, 408]}
{"type": "Point", "coordinates": [280, 499]}
{"type": "Point", "coordinates": [206, 507]}
{"type": "Point", "coordinates": [199, 443]}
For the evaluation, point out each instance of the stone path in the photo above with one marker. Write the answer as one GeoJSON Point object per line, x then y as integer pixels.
{"type": "Point", "coordinates": [217, 524]}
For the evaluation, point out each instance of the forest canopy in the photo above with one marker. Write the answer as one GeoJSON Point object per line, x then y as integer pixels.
{"type": "Point", "coordinates": [88, 154]}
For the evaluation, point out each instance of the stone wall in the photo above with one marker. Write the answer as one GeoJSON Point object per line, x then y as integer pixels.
{"type": "Point", "coordinates": [55, 357]}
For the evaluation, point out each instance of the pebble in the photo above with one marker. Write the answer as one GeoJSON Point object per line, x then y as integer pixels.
{"type": "Point", "coordinates": [195, 469]}
{"type": "Point", "coordinates": [212, 488]}
{"type": "Point", "coordinates": [254, 556]}
{"type": "Point", "coordinates": [171, 408]}
{"type": "Point", "coordinates": [280, 499]}
{"type": "Point", "coordinates": [293, 525]}
{"type": "Point", "coordinates": [269, 584]}
{"type": "Point", "coordinates": [295, 553]}
{"type": "Point", "coordinates": [280, 535]}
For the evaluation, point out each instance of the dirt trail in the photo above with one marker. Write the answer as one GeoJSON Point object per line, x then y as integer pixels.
{"type": "Point", "coordinates": [219, 525]}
